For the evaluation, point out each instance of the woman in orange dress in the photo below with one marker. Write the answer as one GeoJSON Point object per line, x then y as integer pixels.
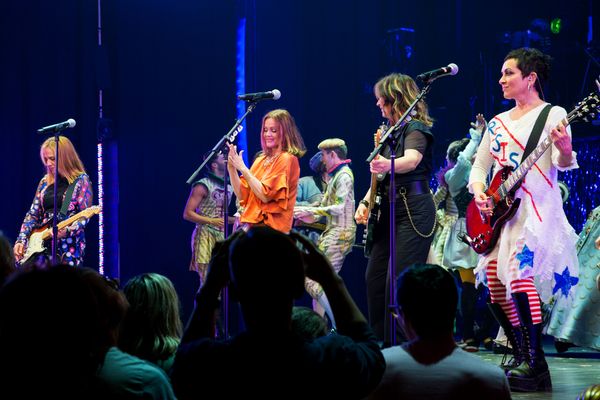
{"type": "Point", "coordinates": [267, 191]}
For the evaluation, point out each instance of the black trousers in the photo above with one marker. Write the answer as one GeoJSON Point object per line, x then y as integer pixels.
{"type": "Point", "coordinates": [411, 248]}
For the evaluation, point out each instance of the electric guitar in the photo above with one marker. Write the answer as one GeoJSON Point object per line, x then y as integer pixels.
{"type": "Point", "coordinates": [483, 230]}
{"type": "Point", "coordinates": [35, 244]}
{"type": "Point", "coordinates": [374, 201]}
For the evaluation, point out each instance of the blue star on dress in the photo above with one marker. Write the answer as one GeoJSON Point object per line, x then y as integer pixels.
{"type": "Point", "coordinates": [526, 257]}
{"type": "Point", "coordinates": [564, 282]}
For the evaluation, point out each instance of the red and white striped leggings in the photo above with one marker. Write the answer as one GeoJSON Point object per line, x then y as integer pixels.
{"type": "Point", "coordinates": [498, 295]}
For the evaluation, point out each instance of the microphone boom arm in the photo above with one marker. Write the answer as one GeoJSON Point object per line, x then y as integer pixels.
{"type": "Point", "coordinates": [394, 129]}
{"type": "Point", "coordinates": [229, 136]}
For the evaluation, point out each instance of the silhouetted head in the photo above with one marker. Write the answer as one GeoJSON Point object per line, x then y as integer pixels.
{"type": "Point", "coordinates": [427, 295]}
{"type": "Point", "coordinates": [48, 324]}
{"type": "Point", "coordinates": [265, 260]}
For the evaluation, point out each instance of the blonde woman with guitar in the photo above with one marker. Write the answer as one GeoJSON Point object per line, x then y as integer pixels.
{"type": "Point", "coordinates": [533, 239]}
{"type": "Point", "coordinates": [72, 175]}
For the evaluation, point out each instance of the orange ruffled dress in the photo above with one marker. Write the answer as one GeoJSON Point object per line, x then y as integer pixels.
{"type": "Point", "coordinates": [279, 181]}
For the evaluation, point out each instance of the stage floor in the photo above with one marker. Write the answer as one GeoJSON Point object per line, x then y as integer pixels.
{"type": "Point", "coordinates": [572, 372]}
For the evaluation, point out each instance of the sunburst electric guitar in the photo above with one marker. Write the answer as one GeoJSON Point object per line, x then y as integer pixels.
{"type": "Point", "coordinates": [483, 230]}
{"type": "Point", "coordinates": [36, 242]}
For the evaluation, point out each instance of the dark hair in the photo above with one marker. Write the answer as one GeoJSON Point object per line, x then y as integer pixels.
{"type": "Point", "coordinates": [427, 294]}
{"type": "Point", "coordinates": [540, 26]}
{"type": "Point", "coordinates": [307, 323]}
{"type": "Point", "coordinates": [453, 151]}
{"type": "Point", "coordinates": [265, 257]}
{"type": "Point", "coordinates": [532, 60]}
{"type": "Point", "coordinates": [212, 160]}
{"type": "Point", "coordinates": [456, 147]}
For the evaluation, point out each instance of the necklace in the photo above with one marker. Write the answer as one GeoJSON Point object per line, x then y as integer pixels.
{"type": "Point", "coordinates": [270, 160]}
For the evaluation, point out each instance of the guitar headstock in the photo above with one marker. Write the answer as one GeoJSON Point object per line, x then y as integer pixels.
{"type": "Point", "coordinates": [586, 107]}
{"type": "Point", "coordinates": [379, 134]}
{"type": "Point", "coordinates": [88, 212]}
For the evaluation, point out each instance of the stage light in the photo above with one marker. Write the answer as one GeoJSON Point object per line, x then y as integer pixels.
{"type": "Point", "coordinates": [556, 25]}
{"type": "Point", "coordinates": [100, 156]}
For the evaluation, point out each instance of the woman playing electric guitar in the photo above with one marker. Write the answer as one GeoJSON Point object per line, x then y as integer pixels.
{"type": "Point", "coordinates": [71, 242]}
{"type": "Point", "coordinates": [415, 210]}
{"type": "Point", "coordinates": [538, 241]}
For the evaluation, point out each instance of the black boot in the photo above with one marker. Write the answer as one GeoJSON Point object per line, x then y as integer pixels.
{"type": "Point", "coordinates": [468, 308]}
{"type": "Point", "coordinates": [484, 334]}
{"type": "Point", "coordinates": [533, 372]}
{"type": "Point", "coordinates": [513, 334]}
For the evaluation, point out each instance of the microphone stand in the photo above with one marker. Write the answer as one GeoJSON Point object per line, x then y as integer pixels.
{"type": "Point", "coordinates": [391, 138]}
{"type": "Point", "coordinates": [55, 216]}
{"type": "Point", "coordinates": [222, 147]}
{"type": "Point", "coordinates": [56, 132]}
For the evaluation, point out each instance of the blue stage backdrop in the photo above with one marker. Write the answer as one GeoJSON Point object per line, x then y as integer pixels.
{"type": "Point", "coordinates": [169, 88]}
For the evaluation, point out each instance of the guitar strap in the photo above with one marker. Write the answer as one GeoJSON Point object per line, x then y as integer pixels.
{"type": "Point", "coordinates": [534, 137]}
{"type": "Point", "coordinates": [67, 200]}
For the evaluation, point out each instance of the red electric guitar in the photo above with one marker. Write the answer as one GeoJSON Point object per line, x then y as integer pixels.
{"type": "Point", "coordinates": [482, 230]}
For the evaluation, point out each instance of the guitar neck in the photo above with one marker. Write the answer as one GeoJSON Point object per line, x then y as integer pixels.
{"type": "Point", "coordinates": [373, 196]}
{"type": "Point", "coordinates": [373, 190]}
{"type": "Point", "coordinates": [83, 214]}
{"type": "Point", "coordinates": [526, 165]}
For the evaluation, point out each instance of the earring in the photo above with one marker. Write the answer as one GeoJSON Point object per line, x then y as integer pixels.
{"type": "Point", "coordinates": [529, 87]}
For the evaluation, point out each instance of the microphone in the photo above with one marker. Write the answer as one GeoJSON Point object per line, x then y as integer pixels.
{"type": "Point", "coordinates": [451, 69]}
{"type": "Point", "coordinates": [273, 94]}
{"type": "Point", "coordinates": [57, 127]}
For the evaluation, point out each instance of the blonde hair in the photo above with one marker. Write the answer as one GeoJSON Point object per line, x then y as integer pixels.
{"type": "Point", "coordinates": [338, 146]}
{"type": "Point", "coordinates": [291, 140]}
{"type": "Point", "coordinates": [152, 328]}
{"type": "Point", "coordinates": [400, 91]}
{"type": "Point", "coordinates": [69, 164]}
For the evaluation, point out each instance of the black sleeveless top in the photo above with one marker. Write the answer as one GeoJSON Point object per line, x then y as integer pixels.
{"type": "Point", "coordinates": [48, 201]}
{"type": "Point", "coordinates": [424, 170]}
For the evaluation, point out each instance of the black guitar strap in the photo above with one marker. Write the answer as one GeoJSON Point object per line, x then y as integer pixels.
{"type": "Point", "coordinates": [67, 200]}
{"type": "Point", "coordinates": [534, 137]}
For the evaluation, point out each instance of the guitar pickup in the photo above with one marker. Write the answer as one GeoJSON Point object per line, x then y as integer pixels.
{"type": "Point", "coordinates": [483, 217]}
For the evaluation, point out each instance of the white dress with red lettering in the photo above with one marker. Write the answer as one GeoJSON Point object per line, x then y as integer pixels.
{"type": "Point", "coordinates": [538, 241]}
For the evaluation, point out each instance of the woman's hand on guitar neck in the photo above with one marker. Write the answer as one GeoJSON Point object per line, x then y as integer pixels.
{"type": "Point", "coordinates": [380, 165]}
{"type": "Point", "coordinates": [562, 141]}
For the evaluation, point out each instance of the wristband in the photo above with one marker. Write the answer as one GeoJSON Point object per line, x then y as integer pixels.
{"type": "Point", "coordinates": [364, 202]}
